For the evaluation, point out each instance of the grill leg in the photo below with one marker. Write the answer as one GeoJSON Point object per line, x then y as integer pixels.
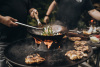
{"type": "Point", "coordinates": [97, 62]}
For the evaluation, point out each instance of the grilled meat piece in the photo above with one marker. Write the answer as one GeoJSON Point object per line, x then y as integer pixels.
{"type": "Point", "coordinates": [79, 43]}
{"type": "Point", "coordinates": [82, 48]}
{"type": "Point", "coordinates": [74, 38]}
{"type": "Point", "coordinates": [35, 58]}
{"type": "Point", "coordinates": [29, 59]}
{"type": "Point", "coordinates": [74, 55]}
{"type": "Point", "coordinates": [71, 54]}
{"type": "Point", "coordinates": [86, 33]}
{"type": "Point", "coordinates": [81, 54]}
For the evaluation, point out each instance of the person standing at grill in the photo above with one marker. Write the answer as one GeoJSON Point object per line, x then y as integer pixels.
{"type": "Point", "coordinates": [10, 12]}
{"type": "Point", "coordinates": [69, 11]}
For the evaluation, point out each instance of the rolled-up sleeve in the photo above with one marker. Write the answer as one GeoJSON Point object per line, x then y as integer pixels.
{"type": "Point", "coordinates": [88, 5]}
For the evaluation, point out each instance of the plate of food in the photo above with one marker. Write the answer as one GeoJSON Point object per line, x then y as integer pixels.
{"type": "Point", "coordinates": [95, 40]}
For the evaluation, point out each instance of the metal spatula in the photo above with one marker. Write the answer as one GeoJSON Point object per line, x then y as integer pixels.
{"type": "Point", "coordinates": [29, 26]}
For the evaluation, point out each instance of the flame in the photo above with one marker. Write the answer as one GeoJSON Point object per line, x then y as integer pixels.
{"type": "Point", "coordinates": [48, 43]}
{"type": "Point", "coordinates": [59, 47]}
{"type": "Point", "coordinates": [37, 41]}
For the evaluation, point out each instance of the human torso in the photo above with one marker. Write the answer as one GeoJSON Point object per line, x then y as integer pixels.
{"type": "Point", "coordinates": [69, 12]}
{"type": "Point", "coordinates": [17, 9]}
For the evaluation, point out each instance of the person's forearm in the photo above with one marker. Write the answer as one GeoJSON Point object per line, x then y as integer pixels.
{"type": "Point", "coordinates": [51, 7]}
{"type": "Point", "coordinates": [95, 14]}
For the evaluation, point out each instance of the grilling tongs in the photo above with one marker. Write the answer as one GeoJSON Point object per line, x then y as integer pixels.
{"type": "Point", "coordinates": [25, 25]}
{"type": "Point", "coordinates": [29, 26]}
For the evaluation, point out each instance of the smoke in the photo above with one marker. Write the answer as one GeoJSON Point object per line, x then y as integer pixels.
{"type": "Point", "coordinates": [69, 13]}
{"type": "Point", "coordinates": [57, 22]}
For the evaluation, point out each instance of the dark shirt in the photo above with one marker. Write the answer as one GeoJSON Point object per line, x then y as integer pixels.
{"type": "Point", "coordinates": [69, 11]}
{"type": "Point", "coordinates": [19, 10]}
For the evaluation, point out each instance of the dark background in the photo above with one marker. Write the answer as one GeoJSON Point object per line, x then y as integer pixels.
{"type": "Point", "coordinates": [42, 6]}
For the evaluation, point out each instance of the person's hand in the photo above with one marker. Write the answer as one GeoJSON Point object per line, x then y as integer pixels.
{"type": "Point", "coordinates": [46, 19]}
{"type": "Point", "coordinates": [32, 11]}
{"type": "Point", "coordinates": [8, 21]}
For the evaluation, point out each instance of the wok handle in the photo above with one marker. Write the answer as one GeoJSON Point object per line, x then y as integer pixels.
{"type": "Point", "coordinates": [25, 25]}
{"type": "Point", "coordinates": [37, 18]}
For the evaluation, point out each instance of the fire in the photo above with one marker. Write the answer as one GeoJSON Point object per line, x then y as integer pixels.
{"type": "Point", "coordinates": [37, 41]}
{"type": "Point", "coordinates": [59, 47]}
{"type": "Point", "coordinates": [48, 43]}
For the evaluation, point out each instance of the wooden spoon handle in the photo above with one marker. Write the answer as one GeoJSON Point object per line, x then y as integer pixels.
{"type": "Point", "coordinates": [36, 17]}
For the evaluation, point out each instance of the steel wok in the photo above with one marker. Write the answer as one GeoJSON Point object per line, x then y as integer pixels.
{"type": "Point", "coordinates": [57, 28]}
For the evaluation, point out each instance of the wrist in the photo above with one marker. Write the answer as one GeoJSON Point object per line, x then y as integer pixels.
{"type": "Point", "coordinates": [47, 15]}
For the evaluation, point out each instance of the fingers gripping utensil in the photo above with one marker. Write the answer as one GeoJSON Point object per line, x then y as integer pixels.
{"type": "Point", "coordinates": [29, 26]}
{"type": "Point", "coordinates": [37, 18]}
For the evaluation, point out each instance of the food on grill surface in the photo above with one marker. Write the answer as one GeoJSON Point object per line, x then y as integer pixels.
{"type": "Point", "coordinates": [79, 52]}
{"type": "Point", "coordinates": [49, 32]}
{"type": "Point", "coordinates": [82, 48]}
{"type": "Point", "coordinates": [86, 33]}
{"type": "Point", "coordinates": [80, 43]}
{"type": "Point", "coordinates": [94, 39]}
{"type": "Point", "coordinates": [74, 55]}
{"type": "Point", "coordinates": [71, 54]}
{"type": "Point", "coordinates": [35, 58]}
{"type": "Point", "coordinates": [74, 38]}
